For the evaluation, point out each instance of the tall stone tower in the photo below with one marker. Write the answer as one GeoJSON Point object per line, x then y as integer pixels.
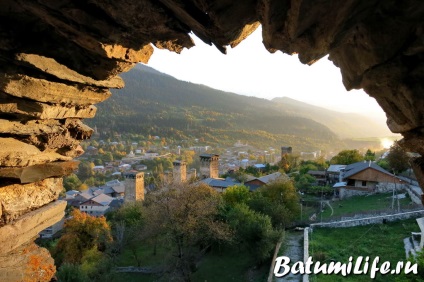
{"type": "Point", "coordinates": [286, 150]}
{"type": "Point", "coordinates": [209, 166]}
{"type": "Point", "coordinates": [180, 171]}
{"type": "Point", "coordinates": [134, 186]}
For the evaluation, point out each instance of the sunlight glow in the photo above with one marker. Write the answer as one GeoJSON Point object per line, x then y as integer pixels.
{"type": "Point", "coordinates": [386, 143]}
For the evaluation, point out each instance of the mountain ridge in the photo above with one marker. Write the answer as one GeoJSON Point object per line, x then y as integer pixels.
{"type": "Point", "coordinates": [345, 125]}
{"type": "Point", "coordinates": [156, 103]}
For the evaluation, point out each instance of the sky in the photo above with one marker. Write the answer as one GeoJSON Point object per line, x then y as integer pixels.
{"type": "Point", "coordinates": [249, 69]}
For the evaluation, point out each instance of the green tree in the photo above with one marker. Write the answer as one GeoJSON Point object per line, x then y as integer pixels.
{"type": "Point", "coordinates": [128, 228]}
{"type": "Point", "coordinates": [307, 167]}
{"type": "Point", "coordinates": [71, 273]}
{"type": "Point", "coordinates": [279, 200]}
{"type": "Point", "coordinates": [71, 182]}
{"type": "Point", "coordinates": [369, 155]}
{"type": "Point", "coordinates": [346, 157]}
{"type": "Point", "coordinates": [397, 158]}
{"type": "Point", "coordinates": [85, 170]}
{"type": "Point", "coordinates": [236, 194]}
{"type": "Point", "coordinates": [303, 182]}
{"type": "Point", "coordinates": [108, 157]}
{"type": "Point", "coordinates": [253, 230]}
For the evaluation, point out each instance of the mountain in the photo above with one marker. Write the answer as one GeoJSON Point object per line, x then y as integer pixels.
{"type": "Point", "coordinates": [345, 125]}
{"type": "Point", "coordinates": [153, 103]}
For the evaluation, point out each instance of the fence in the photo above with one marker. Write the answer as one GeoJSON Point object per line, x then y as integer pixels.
{"type": "Point", "coordinates": [366, 220]}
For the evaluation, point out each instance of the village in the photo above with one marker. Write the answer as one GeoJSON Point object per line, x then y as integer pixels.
{"type": "Point", "coordinates": [136, 173]}
{"type": "Point", "coordinates": [351, 190]}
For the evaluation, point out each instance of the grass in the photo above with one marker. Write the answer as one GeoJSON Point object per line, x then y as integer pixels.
{"type": "Point", "coordinates": [363, 204]}
{"type": "Point", "coordinates": [145, 253]}
{"type": "Point", "coordinates": [382, 240]}
{"type": "Point", "coordinates": [227, 265]}
{"type": "Point", "coordinates": [231, 265]}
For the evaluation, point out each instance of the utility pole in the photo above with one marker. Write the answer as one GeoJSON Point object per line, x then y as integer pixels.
{"type": "Point", "coordinates": [394, 191]}
{"type": "Point", "coordinates": [301, 210]}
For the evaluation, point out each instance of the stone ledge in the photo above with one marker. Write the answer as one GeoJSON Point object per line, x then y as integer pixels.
{"type": "Point", "coordinates": [27, 227]}
{"type": "Point", "coordinates": [45, 127]}
{"type": "Point", "coordinates": [19, 199]}
{"type": "Point", "coordinates": [23, 86]}
{"type": "Point", "coordinates": [37, 110]}
{"type": "Point", "coordinates": [19, 154]}
{"type": "Point", "coordinates": [60, 71]}
{"type": "Point", "coordinates": [27, 263]}
{"type": "Point", "coordinates": [39, 172]}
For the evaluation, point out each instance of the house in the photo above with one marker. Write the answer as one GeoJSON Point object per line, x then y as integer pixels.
{"type": "Point", "coordinates": [124, 167]}
{"type": "Point", "coordinates": [141, 167]}
{"type": "Point", "coordinates": [71, 194]}
{"type": "Point", "coordinates": [364, 178]}
{"type": "Point", "coordinates": [263, 180]}
{"type": "Point", "coordinates": [254, 183]}
{"type": "Point", "coordinates": [91, 150]}
{"type": "Point", "coordinates": [99, 168]}
{"type": "Point", "coordinates": [96, 206]}
{"type": "Point", "coordinates": [113, 188]}
{"type": "Point", "coordinates": [220, 184]}
{"type": "Point", "coordinates": [334, 173]}
{"type": "Point", "coordinates": [319, 175]}
{"type": "Point", "coordinates": [259, 166]}
{"type": "Point", "coordinates": [78, 199]}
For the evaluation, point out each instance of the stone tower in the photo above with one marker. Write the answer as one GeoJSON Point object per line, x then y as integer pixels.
{"type": "Point", "coordinates": [209, 166]}
{"type": "Point", "coordinates": [134, 186]}
{"type": "Point", "coordinates": [286, 151]}
{"type": "Point", "coordinates": [180, 171]}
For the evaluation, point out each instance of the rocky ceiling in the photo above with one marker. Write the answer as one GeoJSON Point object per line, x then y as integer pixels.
{"type": "Point", "coordinates": [60, 57]}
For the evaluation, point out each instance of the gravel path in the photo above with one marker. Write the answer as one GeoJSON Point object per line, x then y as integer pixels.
{"type": "Point", "coordinates": [293, 250]}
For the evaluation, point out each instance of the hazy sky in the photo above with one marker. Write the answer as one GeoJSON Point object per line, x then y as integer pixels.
{"type": "Point", "coordinates": [250, 70]}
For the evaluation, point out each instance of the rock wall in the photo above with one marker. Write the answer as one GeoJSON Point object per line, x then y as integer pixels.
{"type": "Point", "coordinates": [58, 58]}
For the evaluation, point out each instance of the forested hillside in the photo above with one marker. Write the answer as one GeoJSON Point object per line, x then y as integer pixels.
{"type": "Point", "coordinates": [158, 104]}
{"type": "Point", "coordinates": [345, 125]}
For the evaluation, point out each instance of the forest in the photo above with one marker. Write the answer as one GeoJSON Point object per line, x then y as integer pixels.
{"type": "Point", "coordinates": [157, 104]}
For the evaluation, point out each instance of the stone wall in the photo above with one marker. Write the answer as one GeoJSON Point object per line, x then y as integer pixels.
{"type": "Point", "coordinates": [346, 193]}
{"type": "Point", "coordinates": [60, 58]}
{"type": "Point", "coordinates": [369, 220]}
{"type": "Point", "coordinates": [305, 277]}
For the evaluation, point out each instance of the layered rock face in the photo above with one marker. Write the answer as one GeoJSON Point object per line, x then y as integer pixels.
{"type": "Point", "coordinates": [58, 58]}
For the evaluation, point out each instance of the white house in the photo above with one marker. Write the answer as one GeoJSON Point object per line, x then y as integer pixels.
{"type": "Point", "coordinates": [96, 206]}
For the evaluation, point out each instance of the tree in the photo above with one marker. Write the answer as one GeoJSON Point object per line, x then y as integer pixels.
{"type": "Point", "coordinates": [128, 228]}
{"type": "Point", "coordinates": [71, 273]}
{"type": "Point", "coordinates": [304, 182]}
{"type": "Point", "coordinates": [85, 170]}
{"type": "Point", "coordinates": [279, 200]}
{"type": "Point", "coordinates": [108, 157]}
{"type": "Point", "coordinates": [307, 167]}
{"type": "Point", "coordinates": [188, 156]}
{"type": "Point", "coordinates": [81, 234]}
{"type": "Point", "coordinates": [236, 194]}
{"type": "Point", "coordinates": [289, 162]}
{"type": "Point", "coordinates": [253, 230]}
{"type": "Point", "coordinates": [346, 157]}
{"type": "Point", "coordinates": [71, 182]}
{"type": "Point", "coordinates": [397, 158]}
{"type": "Point", "coordinates": [369, 155]}
{"type": "Point", "coordinates": [188, 216]}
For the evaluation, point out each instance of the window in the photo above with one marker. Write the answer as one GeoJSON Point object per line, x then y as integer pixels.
{"type": "Point", "coordinates": [364, 183]}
